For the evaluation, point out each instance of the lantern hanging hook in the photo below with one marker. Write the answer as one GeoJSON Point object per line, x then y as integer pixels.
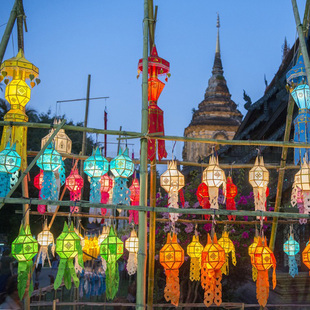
{"type": "Point", "coordinates": [175, 142]}
{"type": "Point", "coordinates": [231, 168]}
{"type": "Point", "coordinates": [258, 151]}
{"type": "Point", "coordinates": [261, 225]}
{"type": "Point", "coordinates": [213, 224]}
{"type": "Point", "coordinates": [196, 232]}
{"type": "Point", "coordinates": [291, 230]}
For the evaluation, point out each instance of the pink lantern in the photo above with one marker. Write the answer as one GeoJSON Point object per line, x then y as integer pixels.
{"type": "Point", "coordinates": [134, 199]}
{"type": "Point", "coordinates": [106, 185]}
{"type": "Point", "coordinates": [37, 182]}
{"type": "Point", "coordinates": [74, 183]}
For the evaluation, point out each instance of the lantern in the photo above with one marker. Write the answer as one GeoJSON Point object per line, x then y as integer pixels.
{"type": "Point", "coordinates": [37, 182]}
{"type": "Point", "coordinates": [214, 177]}
{"type": "Point", "coordinates": [10, 163]}
{"type": "Point", "coordinates": [106, 185]}
{"type": "Point", "coordinates": [122, 167]}
{"type": "Point", "coordinates": [74, 183]}
{"type": "Point", "coordinates": [228, 247]}
{"type": "Point", "coordinates": [231, 193]}
{"type": "Point", "coordinates": [291, 248]}
{"type": "Point", "coordinates": [301, 188]}
{"type": "Point", "coordinates": [306, 255]}
{"type": "Point", "coordinates": [45, 238]}
{"type": "Point", "coordinates": [95, 167]}
{"type": "Point", "coordinates": [171, 257]}
{"type": "Point", "coordinates": [62, 142]}
{"type": "Point", "coordinates": [111, 249]}
{"type": "Point", "coordinates": [17, 93]}
{"type": "Point", "coordinates": [90, 249]}
{"type": "Point", "coordinates": [68, 247]}
{"type": "Point", "coordinates": [24, 248]}
{"type": "Point", "coordinates": [203, 198]}
{"type": "Point", "coordinates": [194, 250]}
{"type": "Point", "coordinates": [49, 162]}
{"type": "Point", "coordinates": [156, 66]}
{"type": "Point", "coordinates": [132, 246]}
{"type": "Point", "coordinates": [251, 252]}
{"type": "Point", "coordinates": [135, 199]}
{"type": "Point", "coordinates": [212, 259]}
{"type": "Point", "coordinates": [297, 84]}
{"type": "Point", "coordinates": [259, 178]}
{"type": "Point", "coordinates": [263, 260]}
{"type": "Point", "coordinates": [172, 181]}
{"type": "Point", "coordinates": [104, 234]}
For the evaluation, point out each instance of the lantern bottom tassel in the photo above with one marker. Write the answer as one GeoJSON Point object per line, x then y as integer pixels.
{"type": "Point", "coordinates": [66, 270]}
{"type": "Point", "coordinates": [195, 269]}
{"type": "Point", "coordinates": [211, 282]}
{"type": "Point", "coordinates": [172, 289]}
{"type": "Point", "coordinates": [262, 287]}
{"type": "Point", "coordinates": [132, 263]}
{"type": "Point", "coordinates": [254, 273]}
{"type": "Point", "coordinates": [4, 183]}
{"type": "Point", "coordinates": [121, 193]}
{"type": "Point", "coordinates": [293, 268]}
{"type": "Point", "coordinates": [24, 272]}
{"type": "Point", "coordinates": [225, 267]}
{"type": "Point", "coordinates": [112, 280]}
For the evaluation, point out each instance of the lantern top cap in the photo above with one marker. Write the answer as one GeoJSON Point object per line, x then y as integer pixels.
{"type": "Point", "coordinates": [297, 74]}
{"type": "Point", "coordinates": [21, 63]}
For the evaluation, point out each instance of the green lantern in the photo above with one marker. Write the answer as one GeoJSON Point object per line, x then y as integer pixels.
{"type": "Point", "coordinates": [111, 250]}
{"type": "Point", "coordinates": [68, 247]}
{"type": "Point", "coordinates": [24, 248]}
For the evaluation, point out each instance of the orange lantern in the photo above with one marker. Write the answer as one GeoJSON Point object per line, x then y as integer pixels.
{"type": "Point", "coordinates": [171, 256]}
{"type": "Point", "coordinates": [134, 199]}
{"type": "Point", "coordinates": [231, 193]}
{"type": "Point", "coordinates": [263, 260]}
{"type": "Point", "coordinates": [203, 198]}
{"type": "Point", "coordinates": [306, 256]}
{"type": "Point", "coordinates": [212, 259]}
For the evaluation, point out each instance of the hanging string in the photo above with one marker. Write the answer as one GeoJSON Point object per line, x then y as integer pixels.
{"type": "Point", "coordinates": [175, 142]}
{"type": "Point", "coordinates": [213, 224]}
{"type": "Point", "coordinates": [13, 44]}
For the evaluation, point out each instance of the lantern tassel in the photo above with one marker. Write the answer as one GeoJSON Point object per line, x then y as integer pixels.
{"type": "Point", "coordinates": [259, 199]}
{"type": "Point", "coordinates": [104, 264]}
{"type": "Point", "coordinates": [4, 183]}
{"type": "Point", "coordinates": [132, 263]}
{"type": "Point", "coordinates": [49, 189]}
{"type": "Point", "coordinates": [262, 287]}
{"type": "Point", "coordinates": [95, 197]}
{"type": "Point", "coordinates": [121, 193]}
{"type": "Point", "coordinates": [293, 268]}
{"type": "Point", "coordinates": [213, 197]}
{"type": "Point", "coordinates": [173, 203]}
{"type": "Point", "coordinates": [24, 268]}
{"type": "Point", "coordinates": [254, 273]}
{"type": "Point", "coordinates": [112, 280]}
{"type": "Point", "coordinates": [231, 205]}
{"type": "Point", "coordinates": [195, 269]}
{"type": "Point", "coordinates": [172, 289]}
{"type": "Point", "coordinates": [301, 134]}
{"type": "Point", "coordinates": [225, 267]}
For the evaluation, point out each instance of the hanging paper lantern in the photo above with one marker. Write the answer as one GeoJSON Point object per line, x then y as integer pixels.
{"type": "Point", "coordinates": [62, 142]}
{"type": "Point", "coordinates": [212, 259]}
{"type": "Point", "coordinates": [104, 235]}
{"type": "Point", "coordinates": [10, 163]}
{"type": "Point", "coordinates": [68, 247]}
{"type": "Point", "coordinates": [106, 185]}
{"type": "Point", "coordinates": [17, 93]}
{"type": "Point", "coordinates": [203, 198]}
{"type": "Point", "coordinates": [297, 84]}
{"type": "Point", "coordinates": [95, 167]}
{"type": "Point", "coordinates": [214, 177]}
{"type": "Point", "coordinates": [122, 167]}
{"type": "Point", "coordinates": [231, 193]}
{"type": "Point", "coordinates": [301, 188]}
{"type": "Point", "coordinates": [291, 248]}
{"type": "Point", "coordinates": [24, 248]}
{"type": "Point", "coordinates": [172, 181]}
{"type": "Point", "coordinates": [111, 249]}
{"type": "Point", "coordinates": [45, 238]}
{"type": "Point", "coordinates": [90, 249]}
{"type": "Point", "coordinates": [228, 247]}
{"type": "Point", "coordinates": [194, 250]}
{"type": "Point", "coordinates": [263, 261]}
{"type": "Point", "coordinates": [49, 161]}
{"type": "Point", "coordinates": [132, 246]}
{"type": "Point", "coordinates": [171, 256]}
{"type": "Point", "coordinates": [251, 252]}
{"type": "Point", "coordinates": [306, 255]}
{"type": "Point", "coordinates": [74, 184]}
{"type": "Point", "coordinates": [259, 178]}
{"type": "Point", "coordinates": [135, 199]}
{"type": "Point", "coordinates": [37, 182]}
{"type": "Point", "coordinates": [156, 66]}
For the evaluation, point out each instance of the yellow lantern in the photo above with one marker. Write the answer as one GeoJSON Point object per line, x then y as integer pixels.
{"type": "Point", "coordinates": [228, 247]}
{"type": "Point", "coordinates": [251, 252]}
{"type": "Point", "coordinates": [45, 238]}
{"type": "Point", "coordinates": [194, 250]}
{"type": "Point", "coordinates": [132, 245]}
{"type": "Point", "coordinates": [172, 181]}
{"type": "Point", "coordinates": [17, 93]}
{"type": "Point", "coordinates": [213, 176]}
{"type": "Point", "coordinates": [259, 178]}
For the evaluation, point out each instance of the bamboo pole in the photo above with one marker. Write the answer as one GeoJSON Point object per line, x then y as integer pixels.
{"type": "Point", "coordinates": [33, 162]}
{"type": "Point", "coordinates": [142, 254]}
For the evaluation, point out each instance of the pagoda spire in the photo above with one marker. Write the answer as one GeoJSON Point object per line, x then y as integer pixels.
{"type": "Point", "coordinates": [217, 66]}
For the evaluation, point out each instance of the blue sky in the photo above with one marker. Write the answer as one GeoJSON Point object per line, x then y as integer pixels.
{"type": "Point", "coordinates": [70, 39]}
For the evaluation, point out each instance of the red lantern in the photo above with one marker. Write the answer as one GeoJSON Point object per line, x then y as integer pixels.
{"type": "Point", "coordinates": [203, 198]}
{"type": "Point", "coordinates": [74, 183]}
{"type": "Point", "coordinates": [231, 193]}
{"type": "Point", "coordinates": [37, 182]}
{"type": "Point", "coordinates": [134, 198]}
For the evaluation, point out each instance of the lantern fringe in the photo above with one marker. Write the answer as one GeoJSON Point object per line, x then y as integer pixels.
{"type": "Point", "coordinates": [211, 283]}
{"type": "Point", "coordinates": [172, 289]}
{"type": "Point", "coordinates": [262, 287]}
{"type": "Point", "coordinates": [5, 182]}
{"type": "Point", "coordinates": [95, 197]}
{"type": "Point", "coordinates": [66, 270]}
{"type": "Point", "coordinates": [121, 193]}
{"type": "Point", "coordinates": [225, 267]}
{"type": "Point", "coordinates": [42, 256]}
{"type": "Point", "coordinates": [213, 197]}
{"type": "Point", "coordinates": [195, 269]}
{"type": "Point", "coordinates": [132, 263]}
{"type": "Point", "coordinates": [24, 270]}
{"type": "Point", "coordinates": [105, 197]}
{"type": "Point", "coordinates": [254, 273]}
{"type": "Point", "coordinates": [173, 203]}
{"type": "Point", "coordinates": [231, 205]}
{"type": "Point", "coordinates": [301, 134]}
{"type": "Point", "coordinates": [297, 199]}
{"type": "Point", "coordinates": [293, 268]}
{"type": "Point", "coordinates": [112, 280]}
{"type": "Point", "coordinates": [49, 189]}
{"type": "Point", "coordinates": [104, 264]}
{"type": "Point", "coordinates": [75, 196]}
{"type": "Point", "coordinates": [134, 216]}
{"type": "Point", "coordinates": [259, 199]}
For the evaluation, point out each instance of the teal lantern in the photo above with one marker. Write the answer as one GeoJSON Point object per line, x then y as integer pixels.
{"type": "Point", "coordinates": [24, 248]}
{"type": "Point", "coordinates": [291, 248]}
{"type": "Point", "coordinates": [301, 95]}
{"type": "Point", "coordinates": [50, 161]}
{"type": "Point", "coordinates": [10, 162]}
{"type": "Point", "coordinates": [95, 166]}
{"type": "Point", "coordinates": [122, 167]}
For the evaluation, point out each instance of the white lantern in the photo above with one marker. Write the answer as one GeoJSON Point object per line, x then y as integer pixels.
{"type": "Point", "coordinates": [132, 245]}
{"type": "Point", "coordinates": [45, 238]}
{"type": "Point", "coordinates": [213, 176]}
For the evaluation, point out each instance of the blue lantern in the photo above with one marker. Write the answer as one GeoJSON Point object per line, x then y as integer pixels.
{"type": "Point", "coordinates": [50, 161]}
{"type": "Point", "coordinates": [291, 248]}
{"type": "Point", "coordinates": [297, 83]}
{"type": "Point", "coordinates": [95, 166]}
{"type": "Point", "coordinates": [10, 162]}
{"type": "Point", "coordinates": [122, 167]}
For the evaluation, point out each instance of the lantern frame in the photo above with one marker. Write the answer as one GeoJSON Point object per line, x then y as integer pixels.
{"type": "Point", "coordinates": [122, 166]}
{"type": "Point", "coordinates": [50, 160]}
{"type": "Point", "coordinates": [132, 243]}
{"type": "Point", "coordinates": [10, 160]}
{"type": "Point", "coordinates": [172, 177]}
{"type": "Point", "coordinates": [96, 165]}
{"type": "Point", "coordinates": [259, 175]}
